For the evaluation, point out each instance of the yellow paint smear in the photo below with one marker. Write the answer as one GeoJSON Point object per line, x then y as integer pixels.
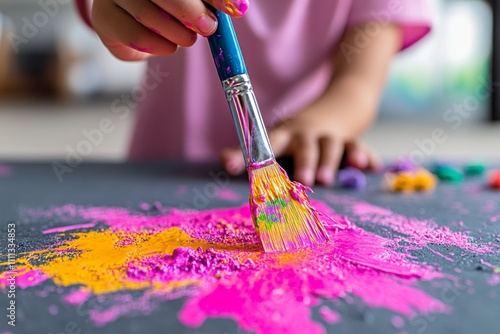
{"type": "Point", "coordinates": [98, 259]}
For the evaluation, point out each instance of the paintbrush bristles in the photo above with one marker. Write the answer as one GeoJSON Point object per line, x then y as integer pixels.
{"type": "Point", "coordinates": [281, 210]}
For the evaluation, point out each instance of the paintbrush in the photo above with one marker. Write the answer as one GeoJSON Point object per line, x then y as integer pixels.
{"type": "Point", "coordinates": [282, 213]}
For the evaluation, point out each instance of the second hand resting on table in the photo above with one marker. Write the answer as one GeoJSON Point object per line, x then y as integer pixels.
{"type": "Point", "coordinates": [316, 136]}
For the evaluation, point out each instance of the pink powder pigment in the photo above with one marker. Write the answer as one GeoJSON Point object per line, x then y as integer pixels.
{"type": "Point", "coordinates": [63, 229]}
{"type": "Point", "coordinates": [329, 315]}
{"type": "Point", "coordinates": [77, 297]}
{"type": "Point", "coordinates": [24, 278]}
{"type": "Point", "coordinates": [5, 170]}
{"type": "Point", "coordinates": [420, 232]}
{"type": "Point", "coordinates": [228, 195]}
{"type": "Point", "coordinates": [272, 292]}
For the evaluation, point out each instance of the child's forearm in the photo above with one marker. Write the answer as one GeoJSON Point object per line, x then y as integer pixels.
{"type": "Point", "coordinates": [358, 79]}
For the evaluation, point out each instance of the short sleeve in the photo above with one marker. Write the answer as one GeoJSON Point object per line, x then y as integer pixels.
{"type": "Point", "coordinates": [413, 16]}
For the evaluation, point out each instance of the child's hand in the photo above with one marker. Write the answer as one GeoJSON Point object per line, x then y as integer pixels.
{"type": "Point", "coordinates": [133, 29]}
{"type": "Point", "coordinates": [316, 138]}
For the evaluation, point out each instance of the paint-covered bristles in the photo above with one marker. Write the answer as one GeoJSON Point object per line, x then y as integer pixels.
{"type": "Point", "coordinates": [282, 213]}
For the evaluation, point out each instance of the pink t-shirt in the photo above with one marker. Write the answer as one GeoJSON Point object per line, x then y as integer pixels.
{"type": "Point", "coordinates": [287, 45]}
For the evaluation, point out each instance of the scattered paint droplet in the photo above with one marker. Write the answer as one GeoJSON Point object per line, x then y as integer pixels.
{"type": "Point", "coordinates": [329, 315]}
{"type": "Point", "coordinates": [53, 310]}
{"type": "Point", "coordinates": [397, 322]}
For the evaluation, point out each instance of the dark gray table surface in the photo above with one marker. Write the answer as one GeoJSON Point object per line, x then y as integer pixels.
{"type": "Point", "coordinates": [127, 185]}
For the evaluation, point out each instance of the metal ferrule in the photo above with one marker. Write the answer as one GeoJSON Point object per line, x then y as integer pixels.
{"type": "Point", "coordinates": [248, 120]}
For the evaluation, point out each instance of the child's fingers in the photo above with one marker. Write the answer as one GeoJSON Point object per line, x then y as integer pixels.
{"type": "Point", "coordinates": [361, 157]}
{"type": "Point", "coordinates": [192, 13]}
{"type": "Point", "coordinates": [123, 52]}
{"type": "Point", "coordinates": [232, 160]}
{"type": "Point", "coordinates": [306, 156]}
{"type": "Point", "coordinates": [331, 150]}
{"type": "Point", "coordinates": [234, 8]}
{"type": "Point", "coordinates": [109, 22]}
{"type": "Point", "coordinates": [158, 21]}
{"type": "Point", "coordinates": [280, 140]}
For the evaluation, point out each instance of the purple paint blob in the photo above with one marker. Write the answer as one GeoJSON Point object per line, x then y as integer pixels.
{"type": "Point", "coordinates": [401, 165]}
{"type": "Point", "coordinates": [352, 178]}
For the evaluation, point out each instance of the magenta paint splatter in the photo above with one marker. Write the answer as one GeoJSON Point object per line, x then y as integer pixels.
{"type": "Point", "coordinates": [156, 31]}
{"type": "Point", "coordinates": [219, 58]}
{"type": "Point", "coordinates": [164, 14]}
{"type": "Point", "coordinates": [53, 310]}
{"type": "Point", "coordinates": [329, 315]}
{"type": "Point", "coordinates": [77, 297]}
{"type": "Point", "coordinates": [422, 232]}
{"type": "Point", "coordinates": [145, 206]}
{"type": "Point", "coordinates": [138, 48]}
{"type": "Point", "coordinates": [27, 279]}
{"type": "Point", "coordinates": [228, 195]}
{"type": "Point", "coordinates": [274, 292]}
{"type": "Point", "coordinates": [182, 189]}
{"type": "Point", "coordinates": [69, 228]}
{"type": "Point", "coordinates": [494, 279]}
{"type": "Point", "coordinates": [5, 170]}
{"type": "Point", "coordinates": [397, 322]}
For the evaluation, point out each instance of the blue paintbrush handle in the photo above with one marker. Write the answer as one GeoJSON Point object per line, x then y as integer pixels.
{"type": "Point", "coordinates": [225, 48]}
{"type": "Point", "coordinates": [233, 75]}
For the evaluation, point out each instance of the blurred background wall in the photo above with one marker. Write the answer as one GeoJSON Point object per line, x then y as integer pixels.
{"type": "Point", "coordinates": [57, 80]}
